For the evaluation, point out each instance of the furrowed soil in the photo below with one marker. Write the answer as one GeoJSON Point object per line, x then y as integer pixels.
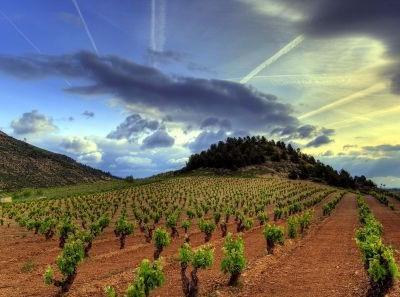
{"type": "Point", "coordinates": [326, 263]}
{"type": "Point", "coordinates": [390, 221]}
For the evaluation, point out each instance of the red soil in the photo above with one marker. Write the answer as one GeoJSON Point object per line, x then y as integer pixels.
{"type": "Point", "coordinates": [328, 245]}
{"type": "Point", "coordinates": [327, 263]}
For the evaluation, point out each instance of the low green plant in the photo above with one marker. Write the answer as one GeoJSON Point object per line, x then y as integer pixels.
{"type": "Point", "coordinates": [273, 235]}
{"type": "Point", "coordinates": [161, 240]}
{"type": "Point", "coordinates": [122, 229]}
{"type": "Point", "coordinates": [67, 262]}
{"type": "Point", "coordinates": [233, 261]}
{"type": "Point", "coordinates": [292, 226]}
{"type": "Point", "coordinates": [201, 258]}
{"type": "Point", "coordinates": [207, 227]}
{"type": "Point", "coordinates": [148, 276]}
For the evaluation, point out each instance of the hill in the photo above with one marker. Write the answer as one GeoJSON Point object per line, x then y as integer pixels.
{"type": "Point", "coordinates": [23, 165]}
{"type": "Point", "coordinates": [275, 157]}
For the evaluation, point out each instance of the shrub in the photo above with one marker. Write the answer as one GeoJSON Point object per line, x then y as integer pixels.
{"type": "Point", "coordinates": [148, 276]}
{"type": "Point", "coordinates": [378, 258]}
{"type": "Point", "coordinates": [161, 240]}
{"type": "Point", "coordinates": [122, 229]}
{"type": "Point", "coordinates": [172, 221]}
{"type": "Point", "coordinates": [67, 262]}
{"type": "Point", "coordinates": [262, 217]}
{"type": "Point", "coordinates": [65, 228]}
{"type": "Point", "coordinates": [207, 227]}
{"type": "Point", "coordinates": [200, 258]}
{"type": "Point", "coordinates": [292, 226]}
{"type": "Point", "coordinates": [47, 227]}
{"type": "Point", "coordinates": [233, 261]}
{"type": "Point", "coordinates": [273, 235]}
{"type": "Point", "coordinates": [305, 220]}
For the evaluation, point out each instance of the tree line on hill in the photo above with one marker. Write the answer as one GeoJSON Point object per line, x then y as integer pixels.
{"type": "Point", "coordinates": [235, 153]}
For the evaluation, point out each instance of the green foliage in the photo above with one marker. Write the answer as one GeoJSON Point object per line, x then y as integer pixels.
{"type": "Point", "coordinates": [186, 225]}
{"type": "Point", "coordinates": [71, 255]}
{"type": "Point", "coordinates": [48, 276]}
{"type": "Point", "coordinates": [148, 276]}
{"type": "Point", "coordinates": [305, 220]}
{"type": "Point", "coordinates": [200, 258]}
{"type": "Point", "coordinates": [123, 227]}
{"type": "Point", "coordinates": [161, 238]}
{"type": "Point", "coordinates": [292, 226]}
{"type": "Point", "coordinates": [110, 291]}
{"type": "Point", "coordinates": [273, 235]}
{"type": "Point", "coordinates": [328, 207]}
{"type": "Point", "coordinates": [378, 258]}
{"type": "Point", "coordinates": [207, 227]}
{"type": "Point", "coordinates": [233, 261]}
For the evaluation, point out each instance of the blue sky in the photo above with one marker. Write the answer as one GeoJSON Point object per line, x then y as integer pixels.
{"type": "Point", "coordinates": [135, 87]}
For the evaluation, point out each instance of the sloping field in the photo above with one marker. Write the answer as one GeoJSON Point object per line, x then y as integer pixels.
{"type": "Point", "coordinates": [322, 261]}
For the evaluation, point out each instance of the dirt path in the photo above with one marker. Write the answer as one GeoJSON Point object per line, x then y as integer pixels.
{"type": "Point", "coordinates": [328, 263]}
{"type": "Point", "coordinates": [390, 221]}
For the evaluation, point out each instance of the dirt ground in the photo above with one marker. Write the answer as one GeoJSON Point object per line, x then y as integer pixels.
{"type": "Point", "coordinates": [325, 262]}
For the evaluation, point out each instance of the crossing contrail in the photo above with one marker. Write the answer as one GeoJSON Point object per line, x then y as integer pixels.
{"type": "Point", "coordinates": [283, 51]}
{"type": "Point", "coordinates": [368, 91]}
{"type": "Point", "coordinates": [85, 26]}
{"type": "Point", "coordinates": [26, 38]}
{"type": "Point", "coordinates": [157, 26]}
{"type": "Point", "coordinates": [14, 25]}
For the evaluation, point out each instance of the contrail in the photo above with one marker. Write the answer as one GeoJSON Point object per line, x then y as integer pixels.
{"type": "Point", "coordinates": [365, 117]}
{"type": "Point", "coordinates": [26, 38]}
{"type": "Point", "coordinates": [157, 26]}
{"type": "Point", "coordinates": [85, 26]}
{"type": "Point", "coordinates": [368, 91]}
{"type": "Point", "coordinates": [283, 51]}
{"type": "Point", "coordinates": [21, 33]}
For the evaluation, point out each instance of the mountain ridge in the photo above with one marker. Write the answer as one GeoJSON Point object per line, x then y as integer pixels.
{"type": "Point", "coordinates": [23, 165]}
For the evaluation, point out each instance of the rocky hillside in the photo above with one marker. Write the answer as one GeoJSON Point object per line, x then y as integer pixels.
{"type": "Point", "coordinates": [24, 165]}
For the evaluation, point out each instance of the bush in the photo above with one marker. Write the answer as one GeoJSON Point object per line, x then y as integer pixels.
{"type": "Point", "coordinates": [67, 262]}
{"type": "Point", "coordinates": [161, 240]}
{"type": "Point", "coordinates": [122, 229]}
{"type": "Point", "coordinates": [233, 261]}
{"type": "Point", "coordinates": [378, 258]}
{"type": "Point", "coordinates": [273, 235]}
{"type": "Point", "coordinates": [207, 227]}
{"type": "Point", "coordinates": [148, 276]}
{"type": "Point", "coordinates": [305, 220]}
{"type": "Point", "coordinates": [200, 258]}
{"type": "Point", "coordinates": [172, 221]}
{"type": "Point", "coordinates": [292, 226]}
{"type": "Point", "coordinates": [65, 228]}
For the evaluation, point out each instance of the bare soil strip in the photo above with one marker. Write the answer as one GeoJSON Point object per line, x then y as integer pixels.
{"type": "Point", "coordinates": [327, 264]}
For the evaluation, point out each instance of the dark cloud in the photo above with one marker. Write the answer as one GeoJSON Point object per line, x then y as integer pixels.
{"type": "Point", "coordinates": [88, 114]}
{"type": "Point", "coordinates": [349, 146]}
{"type": "Point", "coordinates": [213, 122]}
{"type": "Point", "coordinates": [319, 141]}
{"type": "Point", "coordinates": [302, 132]}
{"type": "Point", "coordinates": [32, 123]}
{"type": "Point", "coordinates": [186, 99]}
{"type": "Point", "coordinates": [376, 18]}
{"type": "Point", "coordinates": [158, 139]}
{"type": "Point", "coordinates": [383, 148]}
{"type": "Point", "coordinates": [205, 139]}
{"type": "Point", "coordinates": [133, 126]}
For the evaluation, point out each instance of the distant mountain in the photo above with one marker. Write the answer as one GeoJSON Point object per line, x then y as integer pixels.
{"type": "Point", "coordinates": [24, 165]}
{"type": "Point", "coordinates": [273, 157]}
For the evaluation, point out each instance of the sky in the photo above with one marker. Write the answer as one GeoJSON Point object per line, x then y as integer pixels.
{"type": "Point", "coordinates": [134, 87]}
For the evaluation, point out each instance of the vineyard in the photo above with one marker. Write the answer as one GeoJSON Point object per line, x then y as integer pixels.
{"type": "Point", "coordinates": [203, 236]}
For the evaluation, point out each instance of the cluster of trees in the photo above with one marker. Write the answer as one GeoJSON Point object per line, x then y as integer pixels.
{"type": "Point", "coordinates": [239, 152]}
